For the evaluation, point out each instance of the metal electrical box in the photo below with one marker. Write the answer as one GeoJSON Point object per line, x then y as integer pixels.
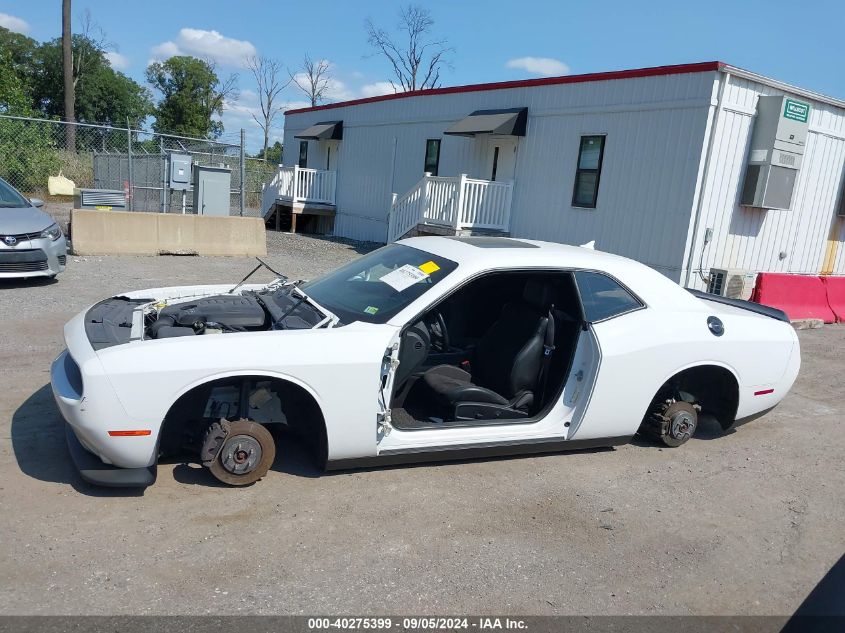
{"type": "Point", "coordinates": [180, 172]}
{"type": "Point", "coordinates": [777, 151]}
{"type": "Point", "coordinates": [212, 186]}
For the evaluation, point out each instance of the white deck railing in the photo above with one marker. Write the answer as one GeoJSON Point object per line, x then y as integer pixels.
{"type": "Point", "coordinates": [298, 184]}
{"type": "Point", "coordinates": [459, 202]}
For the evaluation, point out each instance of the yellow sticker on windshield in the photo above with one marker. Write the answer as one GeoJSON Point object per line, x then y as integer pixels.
{"type": "Point", "coordinates": [429, 267]}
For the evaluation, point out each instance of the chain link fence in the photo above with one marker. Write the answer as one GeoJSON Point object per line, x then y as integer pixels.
{"type": "Point", "coordinates": [135, 162]}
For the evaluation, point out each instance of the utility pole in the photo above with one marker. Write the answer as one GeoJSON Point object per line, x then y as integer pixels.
{"type": "Point", "coordinates": [67, 71]}
{"type": "Point", "coordinates": [243, 172]}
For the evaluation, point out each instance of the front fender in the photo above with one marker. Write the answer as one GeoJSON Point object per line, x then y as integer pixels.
{"type": "Point", "coordinates": [338, 367]}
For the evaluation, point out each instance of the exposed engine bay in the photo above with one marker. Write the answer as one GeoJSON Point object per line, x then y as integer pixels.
{"type": "Point", "coordinates": [278, 309]}
{"type": "Point", "coordinates": [275, 307]}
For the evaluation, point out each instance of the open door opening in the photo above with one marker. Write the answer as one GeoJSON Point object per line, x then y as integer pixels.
{"type": "Point", "coordinates": [497, 350]}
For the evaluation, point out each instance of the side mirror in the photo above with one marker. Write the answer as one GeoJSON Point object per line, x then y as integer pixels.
{"type": "Point", "coordinates": [36, 202]}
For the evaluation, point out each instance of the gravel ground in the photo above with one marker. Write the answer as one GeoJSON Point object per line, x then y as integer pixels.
{"type": "Point", "coordinates": [743, 523]}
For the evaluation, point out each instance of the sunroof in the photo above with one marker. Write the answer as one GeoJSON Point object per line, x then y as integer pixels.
{"type": "Point", "coordinates": [493, 242]}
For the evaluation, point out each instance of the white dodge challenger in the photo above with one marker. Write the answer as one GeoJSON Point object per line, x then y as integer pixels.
{"type": "Point", "coordinates": [429, 348]}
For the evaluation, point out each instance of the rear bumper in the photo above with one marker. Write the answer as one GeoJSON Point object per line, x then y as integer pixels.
{"type": "Point", "coordinates": [33, 258]}
{"type": "Point", "coordinates": [94, 471]}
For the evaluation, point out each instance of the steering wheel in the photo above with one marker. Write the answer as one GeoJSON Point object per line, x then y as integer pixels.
{"type": "Point", "coordinates": [439, 333]}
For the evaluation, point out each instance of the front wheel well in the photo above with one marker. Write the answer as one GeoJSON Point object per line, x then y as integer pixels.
{"type": "Point", "coordinates": [713, 387]}
{"type": "Point", "coordinates": [235, 397]}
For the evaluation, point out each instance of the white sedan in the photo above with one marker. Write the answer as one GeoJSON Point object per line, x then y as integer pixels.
{"type": "Point", "coordinates": [429, 348]}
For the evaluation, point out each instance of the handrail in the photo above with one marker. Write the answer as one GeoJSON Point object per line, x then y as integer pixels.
{"type": "Point", "coordinates": [458, 202]}
{"type": "Point", "coordinates": [300, 184]}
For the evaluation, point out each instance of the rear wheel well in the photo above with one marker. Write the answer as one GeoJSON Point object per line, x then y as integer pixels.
{"type": "Point", "coordinates": [712, 387]}
{"type": "Point", "coordinates": [188, 417]}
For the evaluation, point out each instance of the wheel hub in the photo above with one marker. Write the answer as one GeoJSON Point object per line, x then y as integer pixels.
{"type": "Point", "coordinates": [240, 454]}
{"type": "Point", "coordinates": [681, 425]}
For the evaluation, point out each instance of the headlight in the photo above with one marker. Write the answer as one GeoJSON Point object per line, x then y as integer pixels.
{"type": "Point", "coordinates": [53, 232]}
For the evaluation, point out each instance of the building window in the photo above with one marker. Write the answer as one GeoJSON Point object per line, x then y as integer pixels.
{"type": "Point", "coordinates": [432, 156]}
{"type": "Point", "coordinates": [588, 171]}
{"type": "Point", "coordinates": [495, 163]}
{"type": "Point", "coordinates": [303, 154]}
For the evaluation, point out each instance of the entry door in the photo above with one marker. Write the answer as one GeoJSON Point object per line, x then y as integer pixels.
{"type": "Point", "coordinates": [501, 159]}
{"type": "Point", "coordinates": [332, 148]}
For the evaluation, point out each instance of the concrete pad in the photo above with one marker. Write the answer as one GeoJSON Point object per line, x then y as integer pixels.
{"type": "Point", "coordinates": [807, 324]}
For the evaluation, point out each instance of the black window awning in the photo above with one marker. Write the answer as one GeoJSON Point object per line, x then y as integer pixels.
{"type": "Point", "coordinates": [508, 122]}
{"type": "Point", "coordinates": [325, 131]}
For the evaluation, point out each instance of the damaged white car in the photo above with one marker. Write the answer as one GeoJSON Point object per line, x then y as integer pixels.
{"type": "Point", "coordinates": [430, 348]}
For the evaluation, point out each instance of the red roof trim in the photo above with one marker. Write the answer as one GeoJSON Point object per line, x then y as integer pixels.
{"type": "Point", "coordinates": [656, 71]}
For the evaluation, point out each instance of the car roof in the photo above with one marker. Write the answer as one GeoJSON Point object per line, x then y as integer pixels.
{"type": "Point", "coordinates": [476, 254]}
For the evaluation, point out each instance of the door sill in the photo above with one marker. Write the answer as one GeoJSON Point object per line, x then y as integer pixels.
{"type": "Point", "coordinates": [472, 451]}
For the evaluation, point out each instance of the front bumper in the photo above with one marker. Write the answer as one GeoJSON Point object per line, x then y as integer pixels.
{"type": "Point", "coordinates": [89, 404]}
{"type": "Point", "coordinates": [94, 471]}
{"type": "Point", "coordinates": [98, 457]}
{"type": "Point", "coordinates": [40, 257]}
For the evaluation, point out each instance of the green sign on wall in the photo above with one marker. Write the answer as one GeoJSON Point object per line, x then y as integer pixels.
{"type": "Point", "coordinates": [796, 110]}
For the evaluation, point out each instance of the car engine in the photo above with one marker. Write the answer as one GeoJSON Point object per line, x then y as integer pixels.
{"type": "Point", "coordinates": [276, 309]}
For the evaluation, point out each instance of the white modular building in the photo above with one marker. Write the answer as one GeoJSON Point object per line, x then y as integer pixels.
{"type": "Point", "coordinates": [706, 172]}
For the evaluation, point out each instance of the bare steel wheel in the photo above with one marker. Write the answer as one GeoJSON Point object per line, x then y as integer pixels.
{"type": "Point", "coordinates": [238, 453]}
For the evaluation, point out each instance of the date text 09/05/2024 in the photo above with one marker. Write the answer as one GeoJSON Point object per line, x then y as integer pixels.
{"type": "Point", "coordinates": [416, 623]}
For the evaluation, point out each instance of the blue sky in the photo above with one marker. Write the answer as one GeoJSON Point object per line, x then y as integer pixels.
{"type": "Point", "coordinates": [494, 40]}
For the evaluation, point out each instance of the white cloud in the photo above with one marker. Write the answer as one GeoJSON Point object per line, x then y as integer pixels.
{"type": "Point", "coordinates": [117, 61]}
{"type": "Point", "coordinates": [14, 23]}
{"type": "Point", "coordinates": [297, 105]}
{"type": "Point", "coordinates": [164, 50]}
{"type": "Point", "coordinates": [202, 44]}
{"type": "Point", "coordinates": [338, 91]}
{"type": "Point", "coordinates": [335, 91]}
{"type": "Point", "coordinates": [543, 66]}
{"type": "Point", "coordinates": [377, 88]}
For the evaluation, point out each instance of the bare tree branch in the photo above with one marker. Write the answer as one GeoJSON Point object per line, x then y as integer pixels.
{"type": "Point", "coordinates": [268, 79]}
{"type": "Point", "coordinates": [94, 35]}
{"type": "Point", "coordinates": [417, 61]}
{"type": "Point", "coordinates": [313, 78]}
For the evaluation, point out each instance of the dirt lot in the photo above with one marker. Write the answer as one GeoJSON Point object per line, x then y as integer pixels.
{"type": "Point", "coordinates": [744, 523]}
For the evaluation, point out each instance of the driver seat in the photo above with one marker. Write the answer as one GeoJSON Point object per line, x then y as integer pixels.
{"type": "Point", "coordinates": [506, 364]}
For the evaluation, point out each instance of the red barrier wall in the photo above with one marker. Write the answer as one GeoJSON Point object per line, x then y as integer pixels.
{"type": "Point", "coordinates": [800, 296]}
{"type": "Point", "coordinates": [835, 287]}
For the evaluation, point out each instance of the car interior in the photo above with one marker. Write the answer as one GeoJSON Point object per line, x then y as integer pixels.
{"type": "Point", "coordinates": [497, 349]}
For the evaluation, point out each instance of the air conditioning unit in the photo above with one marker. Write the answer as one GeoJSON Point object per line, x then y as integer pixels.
{"type": "Point", "coordinates": [733, 283]}
{"type": "Point", "coordinates": [778, 140]}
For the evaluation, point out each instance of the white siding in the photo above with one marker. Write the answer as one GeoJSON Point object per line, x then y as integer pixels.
{"type": "Point", "coordinates": [754, 239]}
{"type": "Point", "coordinates": [655, 129]}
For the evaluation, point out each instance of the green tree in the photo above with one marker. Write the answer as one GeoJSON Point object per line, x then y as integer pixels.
{"type": "Point", "coordinates": [274, 154]}
{"type": "Point", "coordinates": [191, 95]}
{"type": "Point", "coordinates": [14, 96]}
{"type": "Point", "coordinates": [103, 95]}
{"type": "Point", "coordinates": [17, 71]}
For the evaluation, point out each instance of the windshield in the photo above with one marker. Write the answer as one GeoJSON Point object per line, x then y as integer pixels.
{"type": "Point", "coordinates": [9, 198]}
{"type": "Point", "coordinates": [375, 287]}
